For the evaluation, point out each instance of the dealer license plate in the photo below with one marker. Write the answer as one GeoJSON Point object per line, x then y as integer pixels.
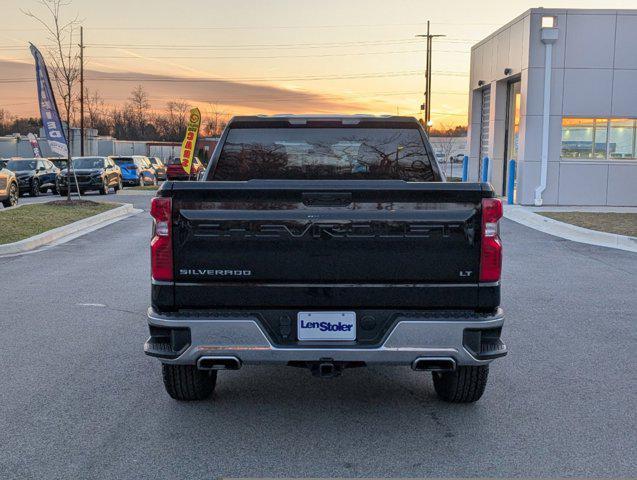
{"type": "Point", "coordinates": [326, 326]}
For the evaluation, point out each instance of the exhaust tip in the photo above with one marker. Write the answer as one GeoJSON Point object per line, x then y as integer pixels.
{"type": "Point", "coordinates": [434, 364]}
{"type": "Point", "coordinates": [218, 363]}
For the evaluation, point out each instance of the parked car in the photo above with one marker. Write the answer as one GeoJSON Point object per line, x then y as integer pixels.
{"type": "Point", "coordinates": [9, 190]}
{"type": "Point", "coordinates": [92, 174]}
{"type": "Point", "coordinates": [174, 170]}
{"type": "Point", "coordinates": [136, 170]}
{"type": "Point", "coordinates": [35, 175]}
{"type": "Point", "coordinates": [59, 162]}
{"type": "Point", "coordinates": [160, 168]}
{"type": "Point", "coordinates": [325, 243]}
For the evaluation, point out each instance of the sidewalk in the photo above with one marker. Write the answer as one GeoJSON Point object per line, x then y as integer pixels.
{"type": "Point", "coordinates": [528, 217]}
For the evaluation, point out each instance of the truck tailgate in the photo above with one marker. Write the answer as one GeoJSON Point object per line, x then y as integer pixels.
{"type": "Point", "coordinates": [288, 242]}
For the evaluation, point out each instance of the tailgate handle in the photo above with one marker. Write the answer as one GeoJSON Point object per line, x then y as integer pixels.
{"type": "Point", "coordinates": [338, 199]}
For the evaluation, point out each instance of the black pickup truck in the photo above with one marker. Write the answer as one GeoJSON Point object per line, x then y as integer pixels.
{"type": "Point", "coordinates": [325, 243]}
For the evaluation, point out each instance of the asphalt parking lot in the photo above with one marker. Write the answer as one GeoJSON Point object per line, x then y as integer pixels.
{"type": "Point", "coordinates": [80, 400]}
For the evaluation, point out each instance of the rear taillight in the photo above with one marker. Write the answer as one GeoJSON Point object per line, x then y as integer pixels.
{"type": "Point", "coordinates": [161, 246]}
{"type": "Point", "coordinates": [491, 247]}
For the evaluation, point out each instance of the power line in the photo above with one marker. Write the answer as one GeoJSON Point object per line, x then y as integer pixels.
{"type": "Point", "coordinates": [260, 46]}
{"type": "Point", "coordinates": [270, 57]}
{"type": "Point", "coordinates": [245, 79]}
{"type": "Point", "coordinates": [271, 27]}
{"type": "Point", "coordinates": [281, 46]}
{"type": "Point", "coordinates": [265, 57]}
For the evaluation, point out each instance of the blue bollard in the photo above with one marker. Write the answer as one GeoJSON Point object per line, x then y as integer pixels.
{"type": "Point", "coordinates": [511, 182]}
{"type": "Point", "coordinates": [465, 168]}
{"type": "Point", "coordinates": [485, 169]}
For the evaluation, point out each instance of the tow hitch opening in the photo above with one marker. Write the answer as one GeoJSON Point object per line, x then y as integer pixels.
{"type": "Point", "coordinates": [326, 368]}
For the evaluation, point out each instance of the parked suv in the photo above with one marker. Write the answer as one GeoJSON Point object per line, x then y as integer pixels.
{"type": "Point", "coordinates": [160, 168]}
{"type": "Point", "coordinates": [136, 170]}
{"type": "Point", "coordinates": [174, 170]}
{"type": "Point", "coordinates": [35, 175]}
{"type": "Point", "coordinates": [92, 173]}
{"type": "Point", "coordinates": [61, 163]}
{"type": "Point", "coordinates": [9, 191]}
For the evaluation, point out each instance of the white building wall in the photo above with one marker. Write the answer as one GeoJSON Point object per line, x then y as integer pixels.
{"type": "Point", "coordinates": [594, 75]}
{"type": "Point", "coordinates": [505, 49]}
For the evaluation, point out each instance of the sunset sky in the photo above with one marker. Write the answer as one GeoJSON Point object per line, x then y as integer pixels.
{"type": "Point", "coordinates": [270, 56]}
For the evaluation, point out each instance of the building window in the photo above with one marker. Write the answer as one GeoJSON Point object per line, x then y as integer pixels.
{"type": "Point", "coordinates": [599, 138]}
{"type": "Point", "coordinates": [622, 138]}
{"type": "Point", "coordinates": [584, 137]}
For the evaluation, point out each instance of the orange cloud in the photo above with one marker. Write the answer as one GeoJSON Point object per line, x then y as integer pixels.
{"type": "Point", "coordinates": [18, 92]}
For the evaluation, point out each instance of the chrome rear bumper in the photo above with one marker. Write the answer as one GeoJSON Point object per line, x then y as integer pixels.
{"type": "Point", "coordinates": [241, 337]}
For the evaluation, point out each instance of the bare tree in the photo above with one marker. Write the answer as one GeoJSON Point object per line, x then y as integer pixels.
{"type": "Point", "coordinates": [95, 108]}
{"type": "Point", "coordinates": [63, 57]}
{"type": "Point", "coordinates": [216, 120]}
{"type": "Point", "coordinates": [174, 121]}
{"type": "Point", "coordinates": [5, 119]}
{"type": "Point", "coordinates": [445, 142]}
{"type": "Point", "coordinates": [140, 105]}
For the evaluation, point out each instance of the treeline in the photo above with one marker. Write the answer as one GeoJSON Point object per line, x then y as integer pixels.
{"type": "Point", "coordinates": [448, 131]}
{"type": "Point", "coordinates": [135, 120]}
{"type": "Point", "coordinates": [10, 124]}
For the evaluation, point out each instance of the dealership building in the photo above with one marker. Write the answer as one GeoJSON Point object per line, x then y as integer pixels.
{"type": "Point", "coordinates": [556, 90]}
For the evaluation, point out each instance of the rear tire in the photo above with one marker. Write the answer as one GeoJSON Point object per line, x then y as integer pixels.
{"type": "Point", "coordinates": [187, 383]}
{"type": "Point", "coordinates": [465, 385]}
{"type": "Point", "coordinates": [35, 188]}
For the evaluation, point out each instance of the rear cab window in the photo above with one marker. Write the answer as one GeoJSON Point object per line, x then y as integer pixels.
{"type": "Point", "coordinates": [323, 151]}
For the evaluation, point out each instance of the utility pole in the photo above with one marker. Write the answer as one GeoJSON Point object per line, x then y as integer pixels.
{"type": "Point", "coordinates": [81, 91]}
{"type": "Point", "coordinates": [426, 107]}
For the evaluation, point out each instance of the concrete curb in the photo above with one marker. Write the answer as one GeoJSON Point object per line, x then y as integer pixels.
{"type": "Point", "coordinates": [530, 219]}
{"type": "Point", "coordinates": [74, 229]}
{"type": "Point", "coordinates": [147, 193]}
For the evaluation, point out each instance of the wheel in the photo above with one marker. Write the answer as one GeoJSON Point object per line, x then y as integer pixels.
{"type": "Point", "coordinates": [12, 199]}
{"type": "Point", "coordinates": [63, 193]}
{"type": "Point", "coordinates": [35, 188]}
{"type": "Point", "coordinates": [465, 385]}
{"type": "Point", "coordinates": [119, 185]}
{"type": "Point", "coordinates": [104, 189]}
{"type": "Point", "coordinates": [187, 383]}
